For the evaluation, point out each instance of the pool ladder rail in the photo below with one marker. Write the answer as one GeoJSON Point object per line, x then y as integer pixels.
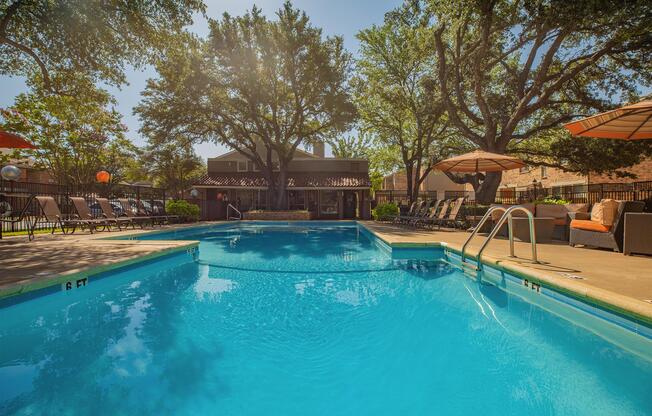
{"type": "Point", "coordinates": [230, 217]}
{"type": "Point", "coordinates": [507, 216]}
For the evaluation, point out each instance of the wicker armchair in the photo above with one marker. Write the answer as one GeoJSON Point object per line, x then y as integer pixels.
{"type": "Point", "coordinates": [611, 238]}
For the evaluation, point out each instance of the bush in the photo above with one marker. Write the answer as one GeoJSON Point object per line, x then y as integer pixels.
{"type": "Point", "coordinates": [385, 211]}
{"type": "Point", "coordinates": [184, 209]}
{"type": "Point", "coordinates": [553, 200]}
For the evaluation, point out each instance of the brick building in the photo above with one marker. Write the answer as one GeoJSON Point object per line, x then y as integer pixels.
{"type": "Point", "coordinates": [327, 187]}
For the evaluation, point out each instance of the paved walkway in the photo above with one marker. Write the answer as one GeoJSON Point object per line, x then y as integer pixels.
{"type": "Point", "coordinates": [607, 277]}
{"type": "Point", "coordinates": [28, 265]}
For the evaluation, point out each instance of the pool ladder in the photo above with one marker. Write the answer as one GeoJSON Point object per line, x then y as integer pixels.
{"type": "Point", "coordinates": [507, 216]}
{"type": "Point", "coordinates": [230, 208]}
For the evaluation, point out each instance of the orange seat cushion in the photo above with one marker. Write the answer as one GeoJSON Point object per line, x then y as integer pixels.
{"type": "Point", "coordinates": [589, 225]}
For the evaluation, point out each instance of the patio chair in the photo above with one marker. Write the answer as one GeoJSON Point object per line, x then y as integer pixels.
{"type": "Point", "coordinates": [84, 213]}
{"type": "Point", "coordinates": [423, 213]}
{"type": "Point", "coordinates": [160, 219]}
{"type": "Point", "coordinates": [139, 219]}
{"type": "Point", "coordinates": [456, 218]}
{"type": "Point", "coordinates": [7, 216]}
{"type": "Point", "coordinates": [411, 214]}
{"type": "Point", "coordinates": [108, 213]}
{"type": "Point", "coordinates": [433, 212]}
{"type": "Point", "coordinates": [413, 208]}
{"type": "Point", "coordinates": [52, 215]}
{"type": "Point", "coordinates": [585, 232]}
{"type": "Point", "coordinates": [428, 222]}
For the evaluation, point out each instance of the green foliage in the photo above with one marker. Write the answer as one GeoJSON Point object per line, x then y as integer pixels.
{"type": "Point", "coordinates": [76, 136]}
{"type": "Point", "coordinates": [256, 85]}
{"type": "Point", "coordinates": [385, 211]}
{"type": "Point", "coordinates": [509, 71]}
{"type": "Point", "coordinates": [557, 148]}
{"type": "Point", "coordinates": [351, 146]}
{"type": "Point", "coordinates": [185, 210]}
{"type": "Point", "coordinates": [552, 200]}
{"type": "Point", "coordinates": [406, 119]}
{"type": "Point", "coordinates": [61, 40]}
{"type": "Point", "coordinates": [173, 167]}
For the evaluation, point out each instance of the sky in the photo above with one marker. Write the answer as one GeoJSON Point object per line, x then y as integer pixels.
{"type": "Point", "coordinates": [335, 17]}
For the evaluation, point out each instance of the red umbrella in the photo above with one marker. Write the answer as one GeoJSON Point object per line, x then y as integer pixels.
{"type": "Point", "coordinates": [14, 141]}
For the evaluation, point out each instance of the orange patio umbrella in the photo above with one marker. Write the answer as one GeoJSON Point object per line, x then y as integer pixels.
{"type": "Point", "coordinates": [480, 161]}
{"type": "Point", "coordinates": [14, 141]}
{"type": "Point", "coordinates": [631, 122]}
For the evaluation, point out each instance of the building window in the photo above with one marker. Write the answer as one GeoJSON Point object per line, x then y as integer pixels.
{"type": "Point", "coordinates": [296, 200]}
{"type": "Point", "coordinates": [544, 172]}
{"type": "Point", "coordinates": [328, 202]}
{"type": "Point", "coordinates": [242, 166]}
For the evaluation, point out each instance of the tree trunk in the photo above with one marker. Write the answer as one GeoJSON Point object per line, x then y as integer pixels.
{"type": "Point", "coordinates": [409, 180]}
{"type": "Point", "coordinates": [485, 191]}
{"type": "Point", "coordinates": [280, 202]}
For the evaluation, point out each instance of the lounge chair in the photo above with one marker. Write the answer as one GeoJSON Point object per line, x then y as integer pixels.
{"type": "Point", "coordinates": [128, 210]}
{"type": "Point", "coordinates": [428, 222]}
{"type": "Point", "coordinates": [456, 217]}
{"type": "Point", "coordinates": [84, 213]}
{"type": "Point", "coordinates": [109, 214]}
{"type": "Point", "coordinates": [433, 212]}
{"type": "Point", "coordinates": [421, 213]}
{"type": "Point", "coordinates": [23, 216]}
{"type": "Point", "coordinates": [52, 214]}
{"type": "Point", "coordinates": [159, 219]}
{"type": "Point", "coordinates": [425, 213]}
{"type": "Point", "coordinates": [411, 214]}
{"type": "Point", "coordinates": [413, 208]}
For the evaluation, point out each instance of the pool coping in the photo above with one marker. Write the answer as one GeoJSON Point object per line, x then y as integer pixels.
{"type": "Point", "coordinates": [85, 272]}
{"type": "Point", "coordinates": [620, 304]}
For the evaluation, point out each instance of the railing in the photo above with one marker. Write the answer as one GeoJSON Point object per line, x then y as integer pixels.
{"type": "Point", "coordinates": [592, 193]}
{"type": "Point", "coordinates": [230, 208]}
{"type": "Point", "coordinates": [507, 216]}
{"type": "Point", "coordinates": [17, 195]}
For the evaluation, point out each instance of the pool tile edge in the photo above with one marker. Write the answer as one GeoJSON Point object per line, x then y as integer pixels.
{"type": "Point", "coordinates": [605, 299]}
{"type": "Point", "coordinates": [50, 282]}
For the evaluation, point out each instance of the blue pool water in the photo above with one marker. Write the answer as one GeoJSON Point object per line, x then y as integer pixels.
{"type": "Point", "coordinates": [304, 320]}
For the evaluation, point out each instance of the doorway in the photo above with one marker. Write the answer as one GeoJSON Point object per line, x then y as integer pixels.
{"type": "Point", "coordinates": [350, 204]}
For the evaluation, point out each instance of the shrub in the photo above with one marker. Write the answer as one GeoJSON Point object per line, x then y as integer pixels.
{"type": "Point", "coordinates": [554, 200]}
{"type": "Point", "coordinates": [384, 211]}
{"type": "Point", "coordinates": [184, 209]}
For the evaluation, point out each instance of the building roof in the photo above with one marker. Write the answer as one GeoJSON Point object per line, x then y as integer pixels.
{"type": "Point", "coordinates": [296, 180]}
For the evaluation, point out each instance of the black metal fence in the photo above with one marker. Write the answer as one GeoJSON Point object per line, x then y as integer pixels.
{"type": "Point", "coordinates": [633, 191]}
{"type": "Point", "coordinates": [16, 198]}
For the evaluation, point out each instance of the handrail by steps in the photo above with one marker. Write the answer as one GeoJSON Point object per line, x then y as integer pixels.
{"type": "Point", "coordinates": [478, 227]}
{"type": "Point", "coordinates": [507, 216]}
{"type": "Point", "coordinates": [229, 217]}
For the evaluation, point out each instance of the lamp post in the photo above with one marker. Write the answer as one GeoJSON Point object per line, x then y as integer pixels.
{"type": "Point", "coordinates": [11, 174]}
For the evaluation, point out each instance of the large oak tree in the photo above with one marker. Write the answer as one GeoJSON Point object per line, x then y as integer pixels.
{"type": "Point", "coordinates": [96, 38]}
{"type": "Point", "coordinates": [261, 87]}
{"type": "Point", "coordinates": [510, 70]}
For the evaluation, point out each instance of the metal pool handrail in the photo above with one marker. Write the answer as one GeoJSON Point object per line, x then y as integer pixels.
{"type": "Point", "coordinates": [507, 215]}
{"type": "Point", "coordinates": [228, 217]}
{"type": "Point", "coordinates": [478, 227]}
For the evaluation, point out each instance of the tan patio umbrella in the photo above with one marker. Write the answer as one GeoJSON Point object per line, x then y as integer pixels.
{"type": "Point", "coordinates": [631, 122]}
{"type": "Point", "coordinates": [480, 161]}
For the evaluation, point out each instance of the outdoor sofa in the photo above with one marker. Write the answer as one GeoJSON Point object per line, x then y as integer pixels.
{"type": "Point", "coordinates": [585, 232]}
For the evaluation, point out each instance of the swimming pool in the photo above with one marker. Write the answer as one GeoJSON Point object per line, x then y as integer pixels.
{"type": "Point", "coordinates": [307, 319]}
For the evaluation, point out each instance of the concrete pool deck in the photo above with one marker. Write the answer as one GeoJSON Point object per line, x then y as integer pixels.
{"type": "Point", "coordinates": [622, 283]}
{"type": "Point", "coordinates": [50, 259]}
{"type": "Point", "coordinates": [613, 280]}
